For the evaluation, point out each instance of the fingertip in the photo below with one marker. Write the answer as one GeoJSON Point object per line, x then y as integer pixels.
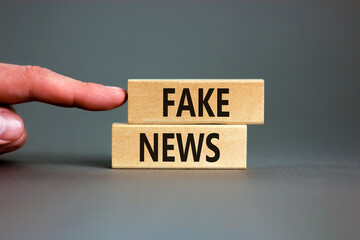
{"type": "Point", "coordinates": [97, 97]}
{"type": "Point", "coordinates": [119, 96]}
{"type": "Point", "coordinates": [123, 96]}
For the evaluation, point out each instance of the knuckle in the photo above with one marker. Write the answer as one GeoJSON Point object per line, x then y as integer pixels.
{"type": "Point", "coordinates": [32, 68]}
{"type": "Point", "coordinates": [35, 70]}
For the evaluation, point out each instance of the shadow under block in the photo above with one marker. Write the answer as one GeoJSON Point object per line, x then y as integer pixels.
{"type": "Point", "coordinates": [179, 146]}
{"type": "Point", "coordinates": [197, 101]}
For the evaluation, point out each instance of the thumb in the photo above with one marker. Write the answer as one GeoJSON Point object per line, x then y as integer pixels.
{"type": "Point", "coordinates": [12, 130]}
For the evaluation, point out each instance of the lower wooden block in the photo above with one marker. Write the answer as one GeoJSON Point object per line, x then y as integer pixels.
{"type": "Point", "coordinates": [179, 146]}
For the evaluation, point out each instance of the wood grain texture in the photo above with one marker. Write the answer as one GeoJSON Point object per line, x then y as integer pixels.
{"type": "Point", "coordinates": [230, 140]}
{"type": "Point", "coordinates": [245, 101]}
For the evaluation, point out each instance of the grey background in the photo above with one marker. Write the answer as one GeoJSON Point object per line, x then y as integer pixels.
{"type": "Point", "coordinates": [303, 177]}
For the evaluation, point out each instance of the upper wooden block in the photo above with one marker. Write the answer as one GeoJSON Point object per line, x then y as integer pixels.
{"type": "Point", "coordinates": [196, 101]}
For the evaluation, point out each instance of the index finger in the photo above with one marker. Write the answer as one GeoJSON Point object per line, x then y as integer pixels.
{"type": "Point", "coordinates": [20, 84]}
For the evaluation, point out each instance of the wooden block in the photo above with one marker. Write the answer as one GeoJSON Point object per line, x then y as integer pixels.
{"type": "Point", "coordinates": [180, 146]}
{"type": "Point", "coordinates": [196, 101]}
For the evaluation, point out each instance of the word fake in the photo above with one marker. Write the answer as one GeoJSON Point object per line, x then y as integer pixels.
{"type": "Point", "coordinates": [203, 102]}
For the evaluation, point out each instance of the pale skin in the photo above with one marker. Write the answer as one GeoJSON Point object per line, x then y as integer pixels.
{"type": "Point", "coordinates": [19, 84]}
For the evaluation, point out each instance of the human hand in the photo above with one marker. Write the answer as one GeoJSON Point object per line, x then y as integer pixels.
{"type": "Point", "coordinates": [19, 84]}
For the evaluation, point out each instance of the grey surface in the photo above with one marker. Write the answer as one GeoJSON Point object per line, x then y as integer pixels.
{"type": "Point", "coordinates": [303, 176]}
{"type": "Point", "coordinates": [75, 197]}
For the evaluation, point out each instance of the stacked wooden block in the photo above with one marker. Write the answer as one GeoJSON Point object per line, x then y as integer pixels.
{"type": "Point", "coordinates": [187, 123]}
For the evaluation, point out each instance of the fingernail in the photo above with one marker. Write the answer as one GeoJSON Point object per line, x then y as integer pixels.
{"type": "Point", "coordinates": [115, 88]}
{"type": "Point", "coordinates": [118, 89]}
{"type": "Point", "coordinates": [11, 127]}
